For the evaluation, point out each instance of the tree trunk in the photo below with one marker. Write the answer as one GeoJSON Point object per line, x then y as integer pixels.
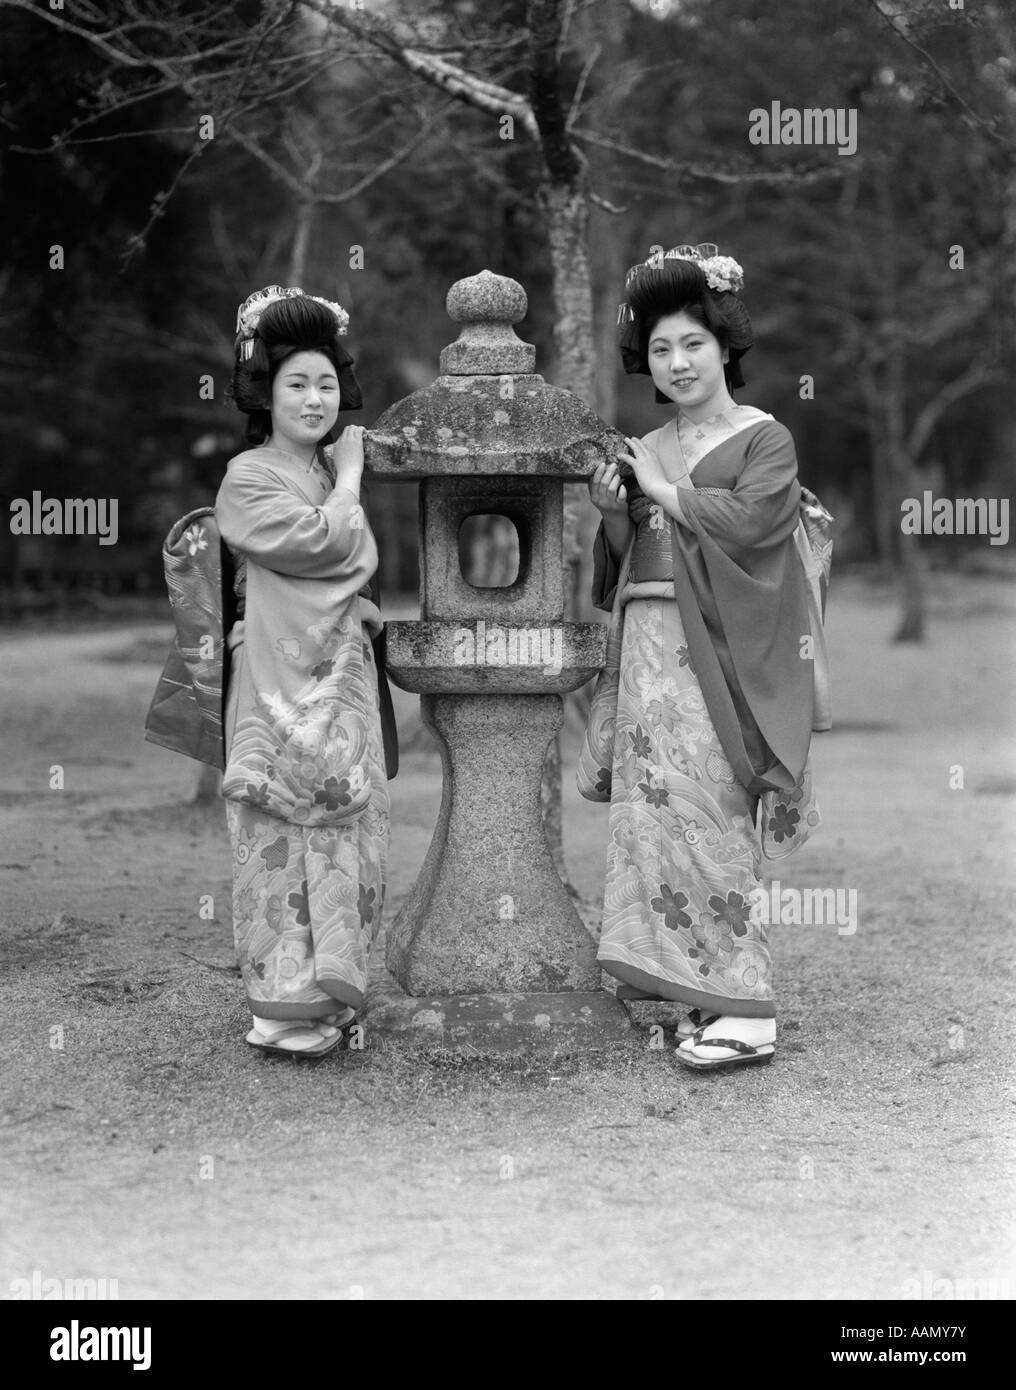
{"type": "Point", "coordinates": [913, 585]}
{"type": "Point", "coordinates": [564, 200]}
{"type": "Point", "coordinates": [892, 399]}
{"type": "Point", "coordinates": [902, 484]}
{"type": "Point", "coordinates": [301, 242]}
{"type": "Point", "coordinates": [567, 214]}
{"type": "Point", "coordinates": [882, 521]}
{"type": "Point", "coordinates": [607, 267]}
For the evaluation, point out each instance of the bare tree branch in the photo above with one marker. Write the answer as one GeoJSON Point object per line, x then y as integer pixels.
{"type": "Point", "coordinates": [137, 242]}
{"type": "Point", "coordinates": [987, 126]}
{"type": "Point", "coordinates": [300, 187]}
{"type": "Point", "coordinates": [128, 58]}
{"type": "Point", "coordinates": [718, 168]}
{"type": "Point", "coordinates": [599, 201]}
{"type": "Point", "coordinates": [928, 417]}
{"type": "Point", "coordinates": [450, 77]}
{"type": "Point", "coordinates": [580, 86]}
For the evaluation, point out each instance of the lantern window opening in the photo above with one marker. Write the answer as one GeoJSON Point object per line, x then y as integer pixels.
{"type": "Point", "coordinates": [494, 548]}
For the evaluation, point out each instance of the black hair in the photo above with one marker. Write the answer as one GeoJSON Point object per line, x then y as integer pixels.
{"type": "Point", "coordinates": [288, 326]}
{"type": "Point", "coordinates": [679, 286]}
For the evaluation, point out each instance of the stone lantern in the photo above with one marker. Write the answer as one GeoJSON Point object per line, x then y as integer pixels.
{"type": "Point", "coordinates": [489, 945]}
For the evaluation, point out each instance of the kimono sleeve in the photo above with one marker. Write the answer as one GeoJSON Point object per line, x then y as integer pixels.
{"type": "Point", "coordinates": [606, 572]}
{"type": "Point", "coordinates": [762, 507]}
{"type": "Point", "coordinates": [260, 516]}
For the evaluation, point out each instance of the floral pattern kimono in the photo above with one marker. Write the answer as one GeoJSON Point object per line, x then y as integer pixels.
{"type": "Point", "coordinates": [305, 780]}
{"type": "Point", "coordinates": [714, 714]}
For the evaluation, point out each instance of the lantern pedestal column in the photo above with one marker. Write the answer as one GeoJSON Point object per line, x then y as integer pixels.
{"type": "Point", "coordinates": [489, 911]}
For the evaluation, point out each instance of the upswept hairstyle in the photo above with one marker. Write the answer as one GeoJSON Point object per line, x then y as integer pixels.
{"type": "Point", "coordinates": [680, 286]}
{"type": "Point", "coordinates": [287, 326]}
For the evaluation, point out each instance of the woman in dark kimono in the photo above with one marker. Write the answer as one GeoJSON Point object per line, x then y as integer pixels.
{"type": "Point", "coordinates": [716, 701]}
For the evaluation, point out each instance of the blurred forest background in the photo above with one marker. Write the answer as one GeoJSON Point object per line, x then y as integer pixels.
{"type": "Point", "coordinates": [375, 151]}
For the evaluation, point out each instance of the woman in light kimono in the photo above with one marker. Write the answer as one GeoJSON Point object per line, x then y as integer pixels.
{"type": "Point", "coordinates": [715, 704]}
{"type": "Point", "coordinates": [305, 779]}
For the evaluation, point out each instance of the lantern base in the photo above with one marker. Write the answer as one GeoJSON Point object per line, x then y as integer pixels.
{"type": "Point", "coordinates": [578, 1019]}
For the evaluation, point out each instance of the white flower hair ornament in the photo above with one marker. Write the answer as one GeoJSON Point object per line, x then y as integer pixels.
{"type": "Point", "coordinates": [722, 273]}
{"type": "Point", "coordinates": [248, 315]}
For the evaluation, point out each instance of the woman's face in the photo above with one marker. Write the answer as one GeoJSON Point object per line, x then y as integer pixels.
{"type": "Point", "coordinates": [686, 363]}
{"type": "Point", "coordinates": [305, 401]}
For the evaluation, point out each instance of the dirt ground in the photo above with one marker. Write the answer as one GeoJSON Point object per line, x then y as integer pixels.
{"type": "Point", "coordinates": [143, 1141]}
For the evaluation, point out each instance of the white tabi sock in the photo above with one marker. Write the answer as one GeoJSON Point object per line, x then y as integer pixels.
{"type": "Point", "coordinates": [270, 1028]}
{"type": "Point", "coordinates": [756, 1032]}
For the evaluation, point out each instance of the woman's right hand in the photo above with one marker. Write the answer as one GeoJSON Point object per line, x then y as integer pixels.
{"type": "Point", "coordinates": [347, 456]}
{"type": "Point", "coordinates": [607, 492]}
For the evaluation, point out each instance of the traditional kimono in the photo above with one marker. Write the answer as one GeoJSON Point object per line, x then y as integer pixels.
{"type": "Point", "coordinates": [715, 710]}
{"type": "Point", "coordinates": [305, 780]}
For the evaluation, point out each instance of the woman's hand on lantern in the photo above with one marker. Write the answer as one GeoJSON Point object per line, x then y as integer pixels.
{"type": "Point", "coordinates": [347, 455]}
{"type": "Point", "coordinates": [646, 466]}
{"type": "Point", "coordinates": [607, 492]}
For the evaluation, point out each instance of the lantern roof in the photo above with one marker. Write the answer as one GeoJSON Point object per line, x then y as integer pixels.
{"type": "Point", "coordinates": [488, 412]}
